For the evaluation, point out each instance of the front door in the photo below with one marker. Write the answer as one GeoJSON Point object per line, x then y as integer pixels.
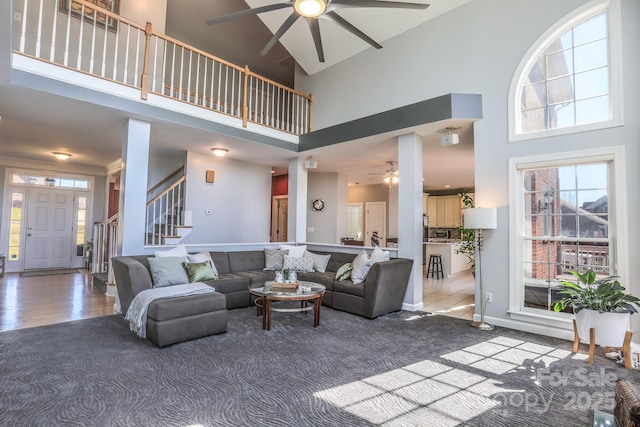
{"type": "Point", "coordinates": [49, 228]}
{"type": "Point", "coordinates": [375, 224]}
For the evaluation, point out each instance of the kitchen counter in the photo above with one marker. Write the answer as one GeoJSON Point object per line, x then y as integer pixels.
{"type": "Point", "coordinates": [452, 263]}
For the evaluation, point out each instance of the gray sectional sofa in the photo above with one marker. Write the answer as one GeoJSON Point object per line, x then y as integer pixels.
{"type": "Point", "coordinates": [170, 320]}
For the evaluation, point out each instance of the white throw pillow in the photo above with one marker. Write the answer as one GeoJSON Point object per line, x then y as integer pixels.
{"type": "Point", "coordinates": [378, 255]}
{"type": "Point", "coordinates": [295, 251]}
{"type": "Point", "coordinates": [361, 265]}
{"type": "Point", "coordinates": [319, 261]}
{"type": "Point", "coordinates": [298, 264]}
{"type": "Point", "coordinates": [178, 251]}
{"type": "Point", "coordinates": [203, 256]}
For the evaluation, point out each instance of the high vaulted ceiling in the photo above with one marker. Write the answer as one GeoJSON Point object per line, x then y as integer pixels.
{"type": "Point", "coordinates": [34, 123]}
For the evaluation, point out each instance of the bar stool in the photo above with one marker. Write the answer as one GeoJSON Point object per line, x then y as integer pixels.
{"type": "Point", "coordinates": [435, 266]}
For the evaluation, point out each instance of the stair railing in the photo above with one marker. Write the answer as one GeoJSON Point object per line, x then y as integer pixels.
{"type": "Point", "coordinates": [105, 244]}
{"type": "Point", "coordinates": [164, 213]}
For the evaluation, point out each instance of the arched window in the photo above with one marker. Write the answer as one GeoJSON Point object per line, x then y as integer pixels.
{"type": "Point", "coordinates": [567, 82]}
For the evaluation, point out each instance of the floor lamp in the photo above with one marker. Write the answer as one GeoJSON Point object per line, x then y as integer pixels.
{"type": "Point", "coordinates": [480, 219]}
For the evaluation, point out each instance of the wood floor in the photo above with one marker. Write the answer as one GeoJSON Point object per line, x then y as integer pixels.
{"type": "Point", "coordinates": [453, 297]}
{"type": "Point", "coordinates": [26, 302]}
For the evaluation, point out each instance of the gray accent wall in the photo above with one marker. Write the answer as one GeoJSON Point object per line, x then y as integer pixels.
{"type": "Point", "coordinates": [325, 226]}
{"type": "Point", "coordinates": [475, 49]}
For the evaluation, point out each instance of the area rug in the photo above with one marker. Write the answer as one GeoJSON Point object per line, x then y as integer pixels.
{"type": "Point", "coordinates": [403, 369]}
{"type": "Point", "coordinates": [48, 272]}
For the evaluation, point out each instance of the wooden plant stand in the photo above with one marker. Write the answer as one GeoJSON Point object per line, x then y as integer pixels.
{"type": "Point", "coordinates": [626, 345]}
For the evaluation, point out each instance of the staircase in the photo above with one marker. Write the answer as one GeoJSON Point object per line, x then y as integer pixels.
{"type": "Point", "coordinates": [167, 222]}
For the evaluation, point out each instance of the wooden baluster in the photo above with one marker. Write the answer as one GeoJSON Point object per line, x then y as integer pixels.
{"type": "Point", "coordinates": [144, 80]}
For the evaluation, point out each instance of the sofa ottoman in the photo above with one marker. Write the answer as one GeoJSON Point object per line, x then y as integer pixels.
{"type": "Point", "coordinates": [173, 320]}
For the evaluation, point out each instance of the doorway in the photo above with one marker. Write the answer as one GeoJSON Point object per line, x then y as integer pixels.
{"type": "Point", "coordinates": [49, 228]}
{"type": "Point", "coordinates": [279, 218]}
{"type": "Point", "coordinates": [375, 224]}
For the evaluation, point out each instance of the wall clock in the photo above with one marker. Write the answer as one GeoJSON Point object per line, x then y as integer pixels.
{"type": "Point", "coordinates": [318, 205]}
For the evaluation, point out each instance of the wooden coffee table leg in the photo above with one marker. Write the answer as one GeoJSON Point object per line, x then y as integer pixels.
{"type": "Point", "coordinates": [316, 310]}
{"type": "Point", "coordinates": [268, 313]}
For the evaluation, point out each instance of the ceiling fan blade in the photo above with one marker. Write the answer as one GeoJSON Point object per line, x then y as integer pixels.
{"type": "Point", "coordinates": [333, 16]}
{"type": "Point", "coordinates": [248, 12]}
{"type": "Point", "coordinates": [283, 29]}
{"type": "Point", "coordinates": [374, 3]}
{"type": "Point", "coordinates": [314, 25]}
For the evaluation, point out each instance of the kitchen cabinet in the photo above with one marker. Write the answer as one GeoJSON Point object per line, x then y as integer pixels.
{"type": "Point", "coordinates": [444, 211]}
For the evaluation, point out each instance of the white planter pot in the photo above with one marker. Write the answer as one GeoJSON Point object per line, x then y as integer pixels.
{"type": "Point", "coordinates": [610, 327]}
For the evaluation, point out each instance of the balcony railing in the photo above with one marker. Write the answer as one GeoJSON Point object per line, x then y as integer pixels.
{"type": "Point", "coordinates": [95, 41]}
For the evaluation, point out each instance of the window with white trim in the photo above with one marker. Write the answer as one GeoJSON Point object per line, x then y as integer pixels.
{"type": "Point", "coordinates": [567, 81]}
{"type": "Point", "coordinates": [563, 208]}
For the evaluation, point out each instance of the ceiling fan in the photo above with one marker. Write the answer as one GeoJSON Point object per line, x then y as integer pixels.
{"type": "Point", "coordinates": [391, 175]}
{"type": "Point", "coordinates": [311, 10]}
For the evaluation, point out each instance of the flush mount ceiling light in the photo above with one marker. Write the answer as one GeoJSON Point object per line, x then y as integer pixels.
{"type": "Point", "coordinates": [310, 8]}
{"type": "Point", "coordinates": [220, 152]}
{"type": "Point", "coordinates": [61, 156]}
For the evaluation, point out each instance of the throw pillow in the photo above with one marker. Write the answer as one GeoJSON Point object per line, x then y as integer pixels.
{"type": "Point", "coordinates": [178, 251]}
{"type": "Point", "coordinates": [298, 264]}
{"type": "Point", "coordinates": [378, 255]}
{"type": "Point", "coordinates": [361, 265]}
{"type": "Point", "coordinates": [294, 251]}
{"type": "Point", "coordinates": [274, 259]}
{"type": "Point", "coordinates": [319, 261]}
{"type": "Point", "coordinates": [203, 256]}
{"type": "Point", "coordinates": [199, 271]}
{"type": "Point", "coordinates": [344, 272]}
{"type": "Point", "coordinates": [167, 271]}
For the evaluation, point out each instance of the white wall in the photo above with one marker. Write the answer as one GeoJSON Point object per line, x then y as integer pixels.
{"type": "Point", "coordinates": [141, 11]}
{"type": "Point", "coordinates": [239, 200]}
{"type": "Point", "coordinates": [162, 163]}
{"type": "Point", "coordinates": [476, 49]}
{"type": "Point", "coordinates": [325, 223]}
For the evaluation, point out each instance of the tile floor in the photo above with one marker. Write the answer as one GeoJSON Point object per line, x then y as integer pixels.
{"type": "Point", "coordinates": [450, 297]}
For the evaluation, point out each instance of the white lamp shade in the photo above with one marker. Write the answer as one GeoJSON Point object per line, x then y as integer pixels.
{"type": "Point", "coordinates": [480, 218]}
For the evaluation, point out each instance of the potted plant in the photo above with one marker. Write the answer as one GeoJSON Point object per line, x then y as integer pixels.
{"type": "Point", "coordinates": [467, 236]}
{"type": "Point", "coordinates": [598, 303]}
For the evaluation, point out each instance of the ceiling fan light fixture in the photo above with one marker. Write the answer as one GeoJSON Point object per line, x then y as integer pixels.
{"type": "Point", "coordinates": [310, 8]}
{"type": "Point", "coordinates": [387, 179]}
{"type": "Point", "coordinates": [395, 179]}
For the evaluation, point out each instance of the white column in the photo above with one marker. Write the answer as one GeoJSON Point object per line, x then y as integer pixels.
{"type": "Point", "coordinates": [133, 187]}
{"type": "Point", "coordinates": [297, 215]}
{"type": "Point", "coordinates": [410, 226]}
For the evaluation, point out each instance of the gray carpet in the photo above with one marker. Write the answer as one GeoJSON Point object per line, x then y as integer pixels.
{"type": "Point", "coordinates": [402, 369]}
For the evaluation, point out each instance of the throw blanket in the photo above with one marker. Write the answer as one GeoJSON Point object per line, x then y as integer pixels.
{"type": "Point", "coordinates": [137, 313]}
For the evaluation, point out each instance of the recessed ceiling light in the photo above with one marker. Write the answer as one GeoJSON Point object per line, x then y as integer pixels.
{"type": "Point", "coordinates": [447, 186]}
{"type": "Point", "coordinates": [220, 152]}
{"type": "Point", "coordinates": [61, 156]}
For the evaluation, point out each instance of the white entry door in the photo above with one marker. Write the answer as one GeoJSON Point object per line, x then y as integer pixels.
{"type": "Point", "coordinates": [376, 222]}
{"type": "Point", "coordinates": [49, 228]}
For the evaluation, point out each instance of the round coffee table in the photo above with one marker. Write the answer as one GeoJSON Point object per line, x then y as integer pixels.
{"type": "Point", "coordinates": [265, 298]}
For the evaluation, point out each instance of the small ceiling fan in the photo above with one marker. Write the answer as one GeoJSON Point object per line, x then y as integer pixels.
{"type": "Point", "coordinates": [390, 175]}
{"type": "Point", "coordinates": [311, 10]}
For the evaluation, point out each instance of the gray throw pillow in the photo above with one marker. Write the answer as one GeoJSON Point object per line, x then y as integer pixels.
{"type": "Point", "coordinates": [302, 264]}
{"type": "Point", "coordinates": [361, 265]}
{"type": "Point", "coordinates": [167, 271]}
{"type": "Point", "coordinates": [320, 262]}
{"type": "Point", "coordinates": [274, 259]}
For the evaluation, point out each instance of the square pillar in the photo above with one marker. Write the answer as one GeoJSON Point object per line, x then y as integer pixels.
{"type": "Point", "coordinates": [410, 223]}
{"type": "Point", "coordinates": [297, 215]}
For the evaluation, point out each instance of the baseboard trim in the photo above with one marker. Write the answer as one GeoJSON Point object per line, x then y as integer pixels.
{"type": "Point", "coordinates": [412, 307]}
{"type": "Point", "coordinates": [528, 327]}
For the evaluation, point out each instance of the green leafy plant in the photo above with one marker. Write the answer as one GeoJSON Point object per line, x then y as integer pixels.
{"type": "Point", "coordinates": [605, 295]}
{"type": "Point", "coordinates": [467, 236]}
